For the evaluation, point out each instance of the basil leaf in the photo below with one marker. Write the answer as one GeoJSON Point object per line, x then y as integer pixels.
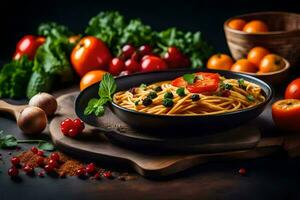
{"type": "Point", "coordinates": [189, 78]}
{"type": "Point", "coordinates": [250, 97]}
{"type": "Point", "coordinates": [108, 86]}
{"type": "Point", "coordinates": [46, 146]}
{"type": "Point", "coordinates": [8, 141]}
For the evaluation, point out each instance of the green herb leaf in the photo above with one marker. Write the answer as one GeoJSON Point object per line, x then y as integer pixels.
{"type": "Point", "coordinates": [137, 102]}
{"type": "Point", "coordinates": [189, 78]}
{"type": "Point", "coordinates": [96, 106]}
{"type": "Point", "coordinates": [241, 83]}
{"type": "Point", "coordinates": [180, 91]}
{"type": "Point", "coordinates": [143, 86]}
{"type": "Point", "coordinates": [169, 95]}
{"type": "Point", "coordinates": [225, 86]}
{"type": "Point", "coordinates": [108, 86]}
{"type": "Point", "coordinates": [8, 141]}
{"type": "Point", "coordinates": [167, 102]}
{"type": "Point", "coordinates": [45, 146]}
{"type": "Point", "coordinates": [250, 97]}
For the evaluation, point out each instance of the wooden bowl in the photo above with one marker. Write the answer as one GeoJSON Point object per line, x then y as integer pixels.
{"type": "Point", "coordinates": [283, 38]}
{"type": "Point", "coordinates": [274, 78]}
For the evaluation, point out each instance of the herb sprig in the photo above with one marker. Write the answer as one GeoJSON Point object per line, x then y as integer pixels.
{"type": "Point", "coordinates": [10, 141]}
{"type": "Point", "coordinates": [107, 88]}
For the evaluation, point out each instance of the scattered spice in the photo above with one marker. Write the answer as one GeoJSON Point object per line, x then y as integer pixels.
{"type": "Point", "coordinates": [63, 166]}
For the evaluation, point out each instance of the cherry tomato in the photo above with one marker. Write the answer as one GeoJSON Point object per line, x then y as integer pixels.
{"type": "Point", "coordinates": [152, 63]}
{"type": "Point", "coordinates": [271, 63]}
{"type": "Point", "coordinates": [28, 46]}
{"type": "Point", "coordinates": [66, 125]}
{"type": "Point", "coordinates": [145, 50]}
{"type": "Point", "coordinates": [116, 66]}
{"type": "Point", "coordinates": [256, 26]}
{"type": "Point", "coordinates": [243, 65]}
{"type": "Point", "coordinates": [136, 56]}
{"type": "Point", "coordinates": [286, 114]}
{"type": "Point", "coordinates": [90, 78]}
{"type": "Point", "coordinates": [208, 82]}
{"type": "Point", "coordinates": [220, 61]}
{"type": "Point", "coordinates": [293, 90]}
{"type": "Point", "coordinates": [175, 58]}
{"type": "Point", "coordinates": [124, 73]}
{"type": "Point", "coordinates": [90, 54]}
{"type": "Point", "coordinates": [132, 66]}
{"type": "Point", "coordinates": [78, 124]}
{"type": "Point", "coordinates": [237, 24]}
{"type": "Point", "coordinates": [256, 54]}
{"type": "Point", "coordinates": [127, 51]}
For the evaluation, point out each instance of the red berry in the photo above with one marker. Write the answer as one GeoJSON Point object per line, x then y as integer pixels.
{"type": "Point", "coordinates": [40, 161]}
{"type": "Point", "coordinates": [116, 66]}
{"type": "Point", "coordinates": [242, 171]}
{"type": "Point", "coordinates": [175, 58]}
{"type": "Point", "coordinates": [73, 132]}
{"type": "Point", "coordinates": [40, 153]}
{"type": "Point", "coordinates": [80, 171]}
{"type": "Point", "coordinates": [13, 172]}
{"type": "Point", "coordinates": [53, 163]}
{"type": "Point", "coordinates": [124, 73]}
{"type": "Point", "coordinates": [15, 161]}
{"type": "Point", "coordinates": [136, 56]}
{"type": "Point", "coordinates": [78, 124]}
{"type": "Point", "coordinates": [48, 168]}
{"type": "Point", "coordinates": [34, 150]}
{"type": "Point", "coordinates": [41, 174]}
{"type": "Point", "coordinates": [28, 169]}
{"type": "Point", "coordinates": [54, 156]}
{"type": "Point", "coordinates": [132, 66]}
{"type": "Point", "coordinates": [66, 125]}
{"type": "Point", "coordinates": [107, 174]}
{"type": "Point", "coordinates": [145, 50]}
{"type": "Point", "coordinates": [127, 50]}
{"type": "Point", "coordinates": [90, 168]}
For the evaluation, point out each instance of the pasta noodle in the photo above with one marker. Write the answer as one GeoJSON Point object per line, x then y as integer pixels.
{"type": "Point", "coordinates": [240, 95]}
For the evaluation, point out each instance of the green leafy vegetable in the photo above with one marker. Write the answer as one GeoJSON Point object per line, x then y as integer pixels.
{"type": "Point", "coordinates": [189, 78]}
{"type": "Point", "coordinates": [225, 86]}
{"type": "Point", "coordinates": [39, 82]}
{"type": "Point", "coordinates": [169, 95]}
{"type": "Point", "coordinates": [137, 102]}
{"type": "Point", "coordinates": [107, 88]}
{"type": "Point", "coordinates": [143, 86]}
{"type": "Point", "coordinates": [241, 83]}
{"type": "Point", "coordinates": [53, 29]}
{"type": "Point", "coordinates": [10, 141]}
{"type": "Point", "coordinates": [14, 77]}
{"type": "Point", "coordinates": [152, 95]}
{"type": "Point", "coordinates": [167, 102]}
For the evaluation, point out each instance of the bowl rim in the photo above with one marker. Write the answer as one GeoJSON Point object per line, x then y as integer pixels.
{"type": "Point", "coordinates": [227, 28]}
{"type": "Point", "coordinates": [268, 98]}
{"type": "Point", "coordinates": [285, 68]}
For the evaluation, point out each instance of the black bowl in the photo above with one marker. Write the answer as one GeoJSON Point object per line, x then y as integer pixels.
{"type": "Point", "coordinates": [144, 121]}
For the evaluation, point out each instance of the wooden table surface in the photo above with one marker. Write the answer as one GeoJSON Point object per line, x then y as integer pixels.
{"type": "Point", "coordinates": [267, 178]}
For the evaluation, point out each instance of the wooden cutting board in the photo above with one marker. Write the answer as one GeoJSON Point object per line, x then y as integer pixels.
{"type": "Point", "coordinates": [94, 144]}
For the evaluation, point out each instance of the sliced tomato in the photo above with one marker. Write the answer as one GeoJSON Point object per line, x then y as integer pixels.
{"type": "Point", "coordinates": [206, 82]}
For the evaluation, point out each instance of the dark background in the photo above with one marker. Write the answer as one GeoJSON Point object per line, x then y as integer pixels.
{"type": "Point", "coordinates": [23, 17]}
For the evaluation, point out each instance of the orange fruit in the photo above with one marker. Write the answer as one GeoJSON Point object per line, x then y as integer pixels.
{"type": "Point", "coordinates": [256, 26]}
{"type": "Point", "coordinates": [271, 63]}
{"type": "Point", "coordinates": [220, 61]}
{"type": "Point", "coordinates": [90, 78]}
{"type": "Point", "coordinates": [243, 65]}
{"type": "Point", "coordinates": [256, 54]}
{"type": "Point", "coordinates": [237, 24]}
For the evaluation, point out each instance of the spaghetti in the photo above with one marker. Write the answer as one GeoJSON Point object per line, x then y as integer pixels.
{"type": "Point", "coordinates": [171, 98]}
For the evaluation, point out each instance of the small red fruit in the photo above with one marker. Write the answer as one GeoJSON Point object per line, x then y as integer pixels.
{"type": "Point", "coordinates": [73, 132]}
{"type": "Point", "coordinates": [116, 66]}
{"type": "Point", "coordinates": [78, 124]}
{"type": "Point", "coordinates": [127, 50]}
{"type": "Point", "coordinates": [15, 161]}
{"type": "Point", "coordinates": [34, 150]}
{"type": "Point", "coordinates": [13, 172]}
{"type": "Point", "coordinates": [66, 125]}
{"type": "Point", "coordinates": [242, 171]}
{"type": "Point", "coordinates": [48, 168]}
{"type": "Point", "coordinates": [28, 169]}
{"type": "Point", "coordinates": [145, 50]}
{"type": "Point", "coordinates": [132, 66]}
{"type": "Point", "coordinates": [80, 172]}
{"type": "Point", "coordinates": [90, 168]}
{"type": "Point", "coordinates": [53, 163]}
{"type": "Point", "coordinates": [107, 174]}
{"type": "Point", "coordinates": [54, 156]}
{"type": "Point", "coordinates": [40, 153]}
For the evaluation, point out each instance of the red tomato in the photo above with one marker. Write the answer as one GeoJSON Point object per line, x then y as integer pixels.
{"type": "Point", "coordinates": [208, 82]}
{"type": "Point", "coordinates": [132, 66]}
{"type": "Point", "coordinates": [293, 90]}
{"type": "Point", "coordinates": [28, 46]}
{"type": "Point", "coordinates": [116, 66]}
{"type": "Point", "coordinates": [152, 63]}
{"type": "Point", "coordinates": [175, 58]}
{"type": "Point", "coordinates": [286, 114]}
{"type": "Point", "coordinates": [90, 54]}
